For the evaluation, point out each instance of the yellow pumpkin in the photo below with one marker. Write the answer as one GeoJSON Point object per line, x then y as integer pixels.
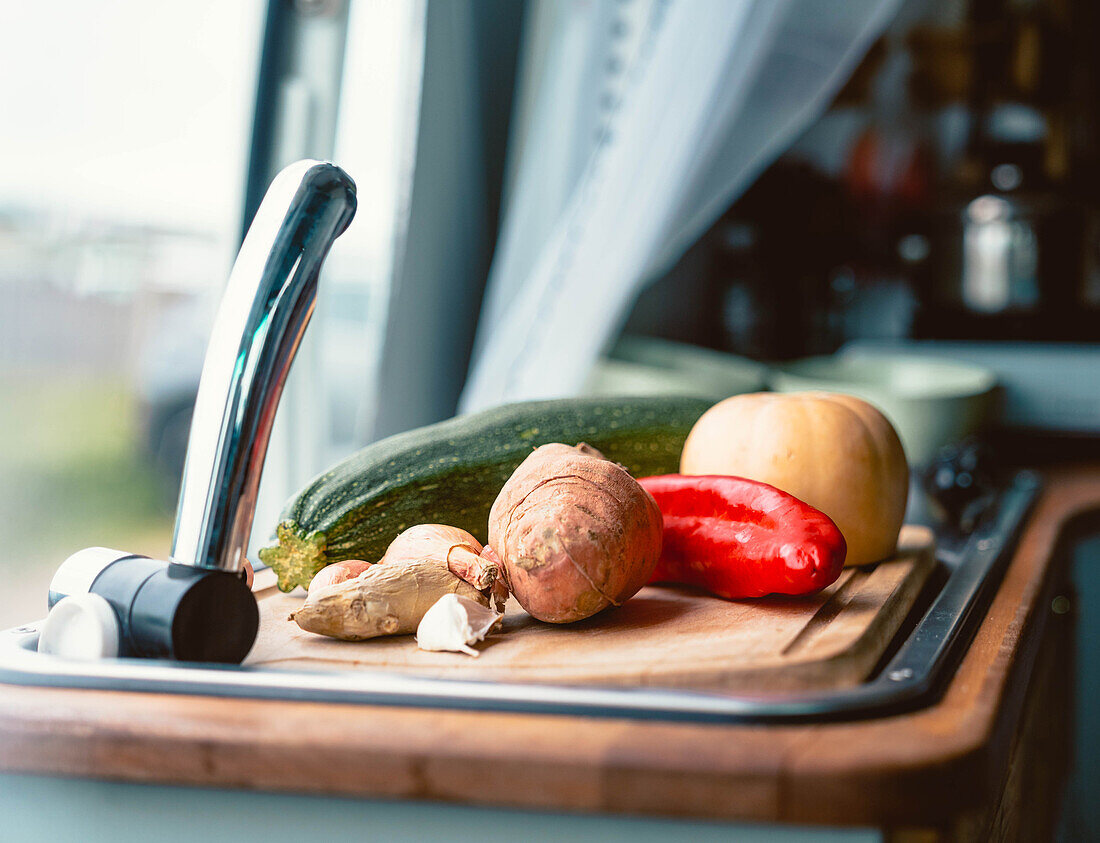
{"type": "Point", "coordinates": [835, 452]}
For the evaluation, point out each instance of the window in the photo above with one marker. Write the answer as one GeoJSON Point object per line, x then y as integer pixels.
{"type": "Point", "coordinates": [126, 129]}
{"type": "Point", "coordinates": [371, 103]}
{"type": "Point", "coordinates": [127, 145]}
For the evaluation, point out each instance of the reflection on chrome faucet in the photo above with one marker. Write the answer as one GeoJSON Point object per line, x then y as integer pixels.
{"type": "Point", "coordinates": [264, 312]}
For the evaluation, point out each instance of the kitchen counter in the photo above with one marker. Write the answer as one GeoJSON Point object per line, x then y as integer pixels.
{"type": "Point", "coordinates": [988, 759]}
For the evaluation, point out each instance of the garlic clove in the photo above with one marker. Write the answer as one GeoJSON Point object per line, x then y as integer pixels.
{"type": "Point", "coordinates": [453, 623]}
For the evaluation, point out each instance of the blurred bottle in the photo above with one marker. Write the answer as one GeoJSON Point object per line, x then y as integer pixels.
{"type": "Point", "coordinates": [1008, 234]}
{"type": "Point", "coordinates": [888, 179]}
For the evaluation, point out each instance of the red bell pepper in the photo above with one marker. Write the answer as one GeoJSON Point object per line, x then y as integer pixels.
{"type": "Point", "coordinates": [740, 538]}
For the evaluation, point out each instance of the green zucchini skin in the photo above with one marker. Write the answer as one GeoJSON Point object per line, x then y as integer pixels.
{"type": "Point", "coordinates": [451, 472]}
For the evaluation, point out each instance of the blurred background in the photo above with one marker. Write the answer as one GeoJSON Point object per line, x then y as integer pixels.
{"type": "Point", "coordinates": [555, 197]}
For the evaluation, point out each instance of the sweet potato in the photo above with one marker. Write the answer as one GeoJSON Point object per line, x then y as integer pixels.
{"type": "Point", "coordinates": [575, 533]}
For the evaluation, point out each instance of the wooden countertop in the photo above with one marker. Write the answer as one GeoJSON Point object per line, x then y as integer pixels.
{"type": "Point", "coordinates": [917, 768]}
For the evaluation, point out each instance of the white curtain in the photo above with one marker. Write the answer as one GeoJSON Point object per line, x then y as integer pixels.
{"type": "Point", "coordinates": [638, 123]}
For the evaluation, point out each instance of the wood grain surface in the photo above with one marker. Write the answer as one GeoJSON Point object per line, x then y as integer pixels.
{"type": "Point", "coordinates": [670, 637]}
{"type": "Point", "coordinates": [921, 769]}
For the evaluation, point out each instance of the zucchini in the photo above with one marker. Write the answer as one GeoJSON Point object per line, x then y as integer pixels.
{"type": "Point", "coordinates": [451, 472]}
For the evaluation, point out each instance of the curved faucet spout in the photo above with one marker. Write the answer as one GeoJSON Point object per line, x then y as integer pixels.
{"type": "Point", "coordinates": [260, 322]}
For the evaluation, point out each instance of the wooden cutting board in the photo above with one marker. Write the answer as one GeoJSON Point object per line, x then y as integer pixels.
{"type": "Point", "coordinates": [664, 636]}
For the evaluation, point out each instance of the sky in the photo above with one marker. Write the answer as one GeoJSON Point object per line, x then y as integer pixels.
{"type": "Point", "coordinates": [140, 112]}
{"type": "Point", "coordinates": [136, 110]}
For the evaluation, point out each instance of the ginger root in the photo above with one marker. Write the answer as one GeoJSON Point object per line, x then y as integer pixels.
{"type": "Point", "coordinates": [338, 572]}
{"type": "Point", "coordinates": [452, 547]}
{"type": "Point", "coordinates": [388, 599]}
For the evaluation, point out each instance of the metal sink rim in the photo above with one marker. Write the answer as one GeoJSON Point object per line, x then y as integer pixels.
{"type": "Point", "coordinates": [913, 677]}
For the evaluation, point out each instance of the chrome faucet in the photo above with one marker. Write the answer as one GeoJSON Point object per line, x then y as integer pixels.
{"type": "Point", "coordinates": [259, 325]}
{"type": "Point", "coordinates": [196, 606]}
